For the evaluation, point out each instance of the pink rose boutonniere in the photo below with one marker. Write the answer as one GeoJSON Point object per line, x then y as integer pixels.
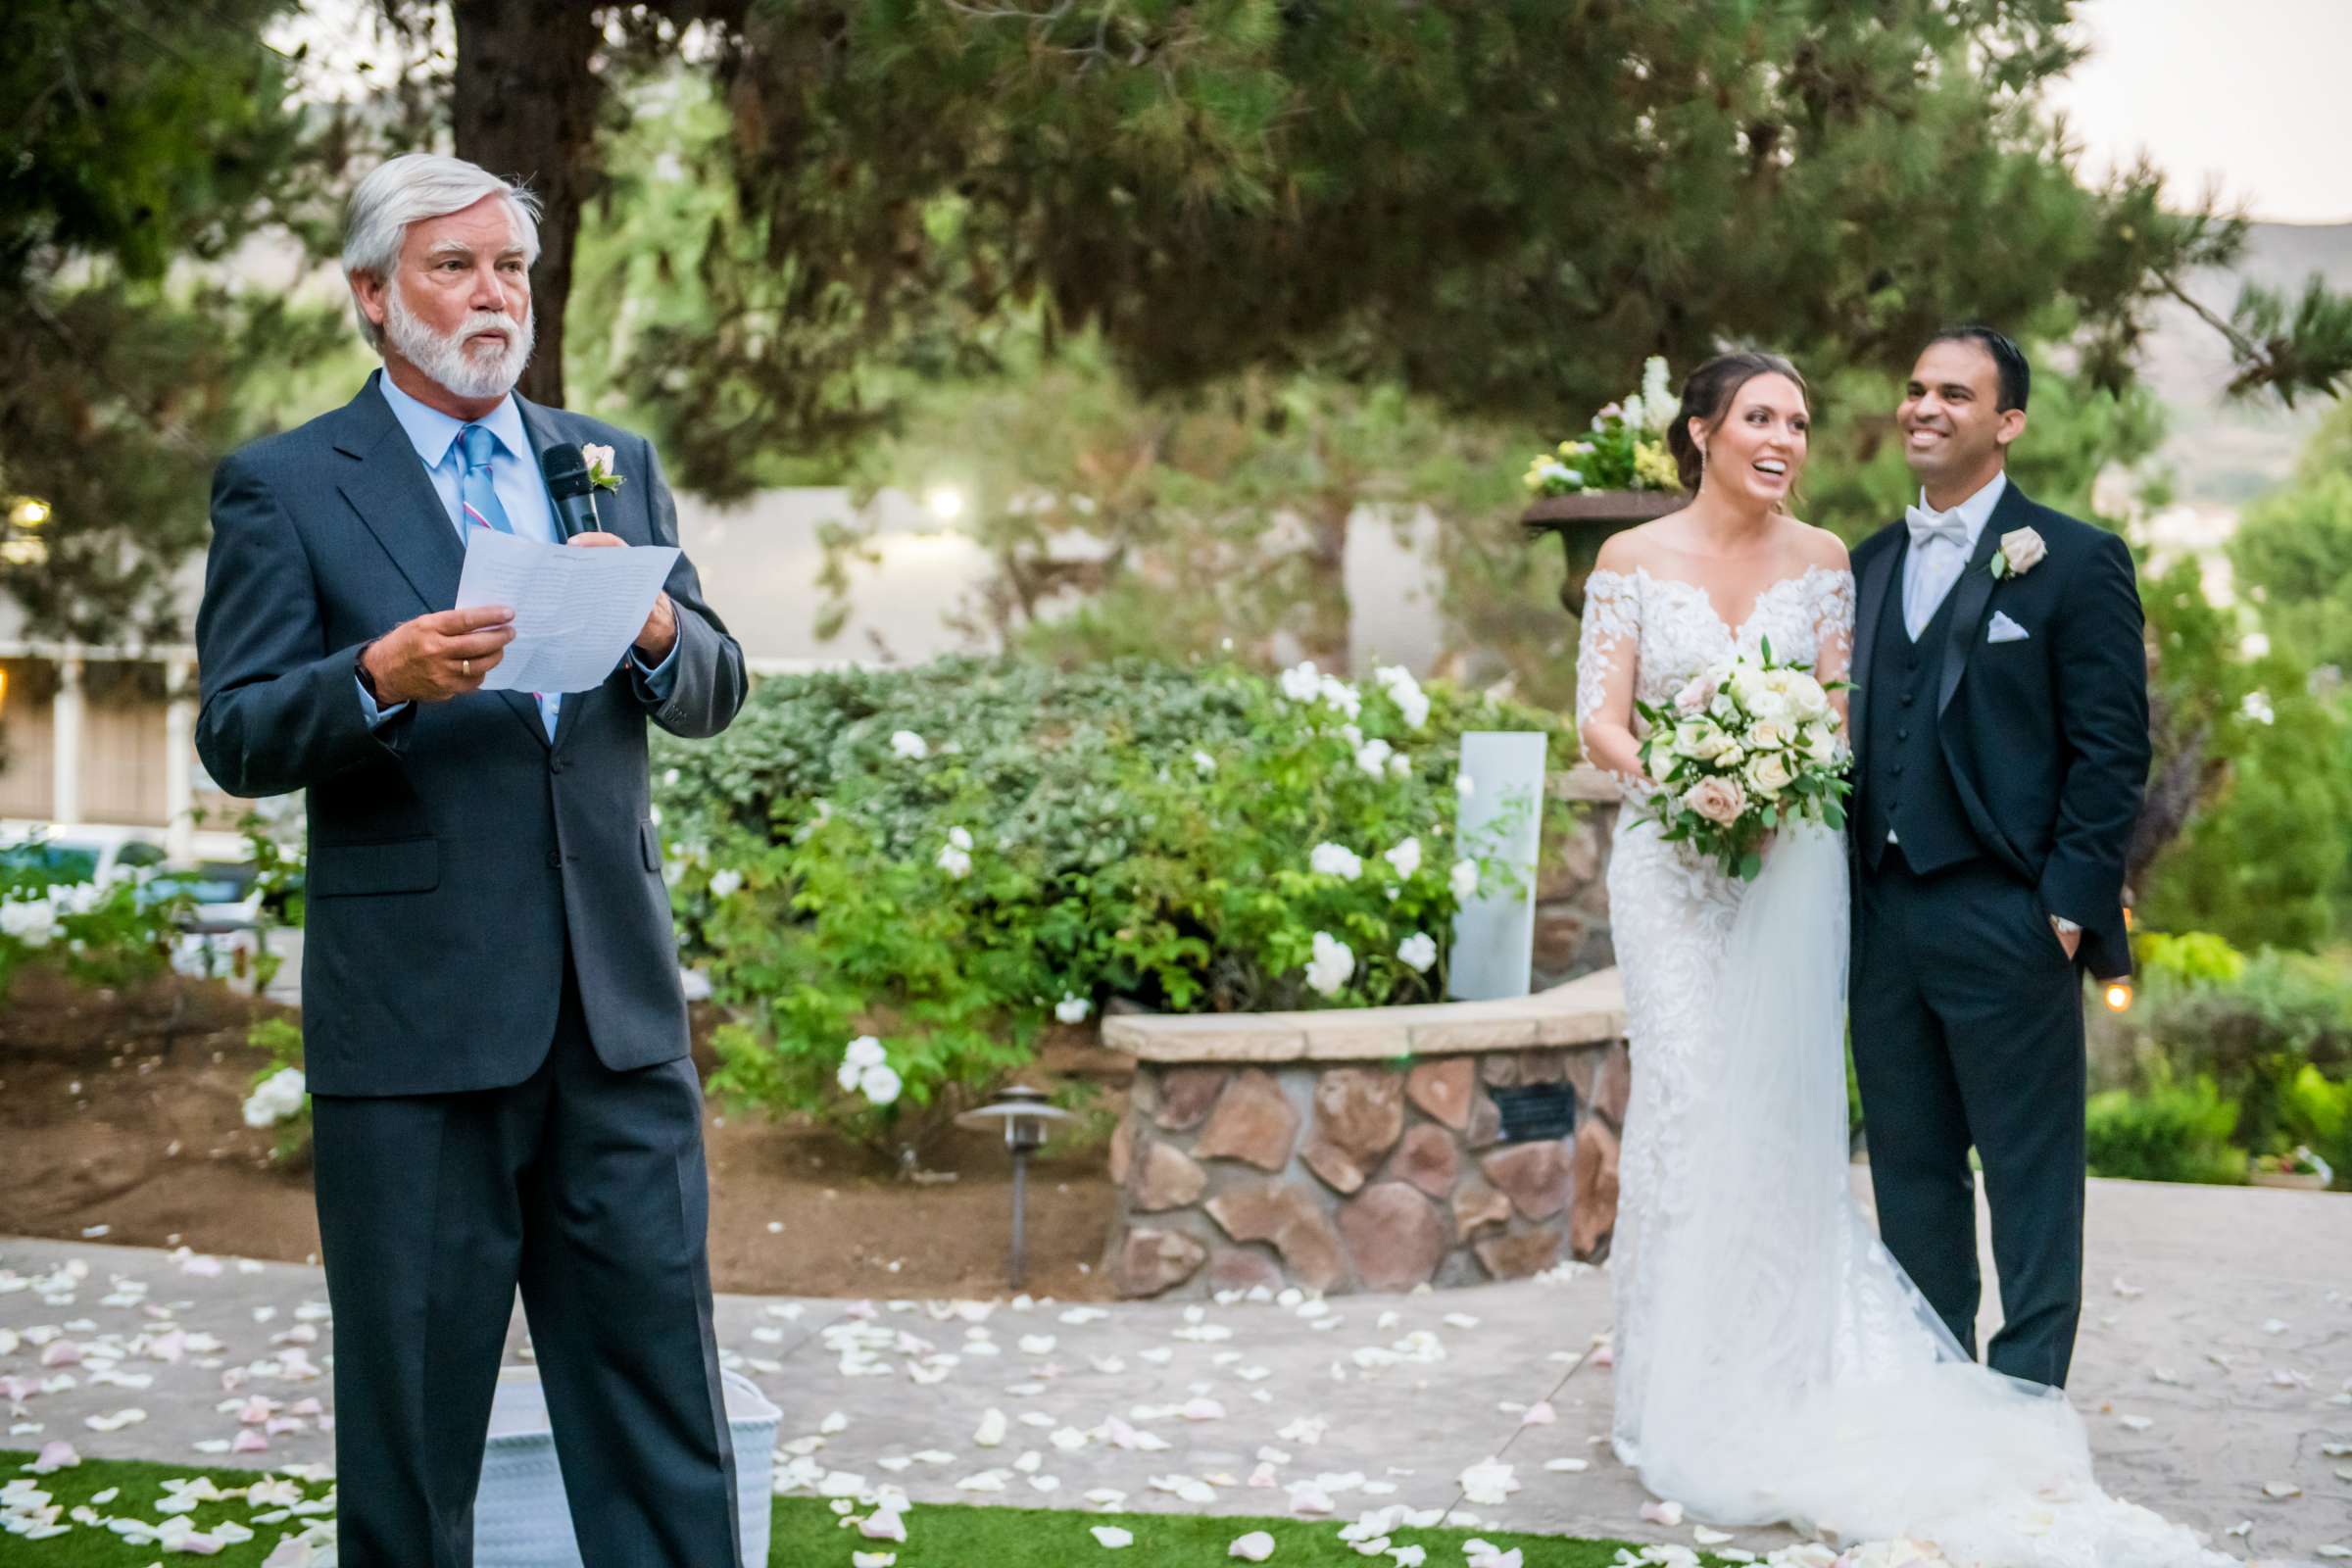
{"type": "Point", "coordinates": [2021, 552]}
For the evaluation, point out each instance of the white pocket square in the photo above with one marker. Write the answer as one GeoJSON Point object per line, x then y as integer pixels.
{"type": "Point", "coordinates": [2004, 630]}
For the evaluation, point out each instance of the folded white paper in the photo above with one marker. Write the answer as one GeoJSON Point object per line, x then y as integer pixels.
{"type": "Point", "coordinates": [576, 610]}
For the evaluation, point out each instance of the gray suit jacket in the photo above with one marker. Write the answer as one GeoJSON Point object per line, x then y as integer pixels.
{"type": "Point", "coordinates": [455, 852]}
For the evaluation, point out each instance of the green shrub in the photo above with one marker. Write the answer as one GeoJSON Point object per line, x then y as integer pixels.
{"type": "Point", "coordinates": [2316, 1112]}
{"type": "Point", "coordinates": [2171, 1132]}
{"type": "Point", "coordinates": [119, 936]}
{"type": "Point", "coordinates": [2188, 958]}
{"type": "Point", "coordinates": [946, 857]}
{"type": "Point", "coordinates": [2252, 1035]}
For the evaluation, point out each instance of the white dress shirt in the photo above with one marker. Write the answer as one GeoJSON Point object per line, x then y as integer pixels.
{"type": "Point", "coordinates": [1930, 570]}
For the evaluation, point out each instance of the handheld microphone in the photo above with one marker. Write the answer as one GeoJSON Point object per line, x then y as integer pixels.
{"type": "Point", "coordinates": [566, 471]}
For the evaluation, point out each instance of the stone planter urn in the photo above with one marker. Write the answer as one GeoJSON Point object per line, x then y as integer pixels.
{"type": "Point", "coordinates": [1583, 520]}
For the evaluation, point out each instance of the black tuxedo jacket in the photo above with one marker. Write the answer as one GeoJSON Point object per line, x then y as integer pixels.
{"type": "Point", "coordinates": [455, 853]}
{"type": "Point", "coordinates": [2046, 735]}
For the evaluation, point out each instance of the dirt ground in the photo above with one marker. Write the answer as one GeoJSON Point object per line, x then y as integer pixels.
{"type": "Point", "coordinates": [123, 1112]}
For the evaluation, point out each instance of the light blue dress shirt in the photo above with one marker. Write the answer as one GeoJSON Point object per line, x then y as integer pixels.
{"type": "Point", "coordinates": [522, 490]}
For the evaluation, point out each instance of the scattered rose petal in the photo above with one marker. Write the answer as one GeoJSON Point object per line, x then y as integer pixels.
{"type": "Point", "coordinates": [1255, 1547]}
{"type": "Point", "coordinates": [1113, 1536]}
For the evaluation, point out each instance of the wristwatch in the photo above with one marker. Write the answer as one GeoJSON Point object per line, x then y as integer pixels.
{"type": "Point", "coordinates": [2066, 927]}
{"type": "Point", "coordinates": [366, 678]}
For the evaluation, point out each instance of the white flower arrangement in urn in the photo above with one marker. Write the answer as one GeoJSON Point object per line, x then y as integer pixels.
{"type": "Point", "coordinates": [1747, 746]}
{"type": "Point", "coordinates": [1624, 450]}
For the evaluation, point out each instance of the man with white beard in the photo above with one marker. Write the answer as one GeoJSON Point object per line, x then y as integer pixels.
{"type": "Point", "coordinates": [492, 1023]}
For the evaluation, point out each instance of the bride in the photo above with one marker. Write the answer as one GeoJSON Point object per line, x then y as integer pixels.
{"type": "Point", "coordinates": [1773, 1364]}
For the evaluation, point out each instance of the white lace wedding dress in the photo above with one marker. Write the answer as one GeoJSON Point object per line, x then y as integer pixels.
{"type": "Point", "coordinates": [1772, 1363]}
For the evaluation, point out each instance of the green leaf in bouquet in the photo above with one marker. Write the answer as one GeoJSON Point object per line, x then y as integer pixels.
{"type": "Point", "coordinates": [1834, 814]}
{"type": "Point", "coordinates": [1751, 865]}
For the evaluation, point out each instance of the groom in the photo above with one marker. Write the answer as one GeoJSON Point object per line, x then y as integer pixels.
{"type": "Point", "coordinates": [492, 1019]}
{"type": "Point", "coordinates": [2000, 728]}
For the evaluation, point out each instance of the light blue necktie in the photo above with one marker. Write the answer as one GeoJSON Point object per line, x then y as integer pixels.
{"type": "Point", "coordinates": [475, 493]}
{"type": "Point", "coordinates": [477, 497]}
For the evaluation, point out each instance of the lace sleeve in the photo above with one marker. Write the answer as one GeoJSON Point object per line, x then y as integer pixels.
{"type": "Point", "coordinates": [1607, 653]}
{"type": "Point", "coordinates": [1834, 632]}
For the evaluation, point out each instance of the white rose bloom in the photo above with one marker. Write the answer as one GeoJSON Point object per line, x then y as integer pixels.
{"type": "Point", "coordinates": [1340, 695]}
{"type": "Point", "coordinates": [865, 1051]}
{"type": "Point", "coordinates": [961, 838]}
{"type": "Point", "coordinates": [1333, 963]}
{"type": "Point", "coordinates": [910, 746]}
{"type": "Point", "coordinates": [1335, 859]}
{"type": "Point", "coordinates": [1768, 774]}
{"type": "Point", "coordinates": [1766, 735]}
{"type": "Point", "coordinates": [1417, 952]}
{"type": "Point", "coordinates": [1725, 709]}
{"type": "Point", "coordinates": [669, 776]}
{"type": "Point", "coordinates": [1806, 699]}
{"type": "Point", "coordinates": [1301, 682]}
{"type": "Point", "coordinates": [847, 1077]}
{"type": "Point", "coordinates": [275, 1099]}
{"type": "Point", "coordinates": [1406, 692]}
{"type": "Point", "coordinates": [1701, 738]}
{"type": "Point", "coordinates": [1373, 757]}
{"type": "Point", "coordinates": [30, 922]}
{"type": "Point", "coordinates": [1406, 858]}
{"type": "Point", "coordinates": [1072, 1007]}
{"type": "Point", "coordinates": [1205, 763]}
{"type": "Point", "coordinates": [725, 882]}
{"type": "Point", "coordinates": [1465, 881]}
{"type": "Point", "coordinates": [1730, 756]}
{"type": "Point", "coordinates": [879, 1084]}
{"type": "Point", "coordinates": [1821, 744]}
{"type": "Point", "coordinates": [957, 862]}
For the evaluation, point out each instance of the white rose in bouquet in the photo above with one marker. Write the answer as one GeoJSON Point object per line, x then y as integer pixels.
{"type": "Point", "coordinates": [1725, 709]}
{"type": "Point", "coordinates": [1764, 735]}
{"type": "Point", "coordinates": [1768, 774]}
{"type": "Point", "coordinates": [1807, 699]}
{"type": "Point", "coordinates": [1718, 799]}
{"type": "Point", "coordinates": [1701, 738]}
{"type": "Point", "coordinates": [1820, 743]}
{"type": "Point", "coordinates": [1732, 755]}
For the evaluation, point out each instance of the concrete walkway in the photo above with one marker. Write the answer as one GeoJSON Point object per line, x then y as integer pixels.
{"type": "Point", "coordinates": [2216, 1360]}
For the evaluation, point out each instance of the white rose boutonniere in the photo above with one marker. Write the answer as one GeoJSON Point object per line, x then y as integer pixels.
{"type": "Point", "coordinates": [600, 467]}
{"type": "Point", "coordinates": [2021, 552]}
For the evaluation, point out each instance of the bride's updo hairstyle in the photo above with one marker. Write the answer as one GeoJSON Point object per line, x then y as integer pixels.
{"type": "Point", "coordinates": [1708, 398]}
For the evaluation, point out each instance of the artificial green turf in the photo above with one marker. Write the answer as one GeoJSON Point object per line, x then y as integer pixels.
{"type": "Point", "coordinates": [806, 1531]}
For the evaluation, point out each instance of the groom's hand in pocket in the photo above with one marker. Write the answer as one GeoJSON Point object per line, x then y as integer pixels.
{"type": "Point", "coordinates": [2070, 939]}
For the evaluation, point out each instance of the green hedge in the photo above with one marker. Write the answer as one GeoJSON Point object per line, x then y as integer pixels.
{"type": "Point", "coordinates": [946, 859]}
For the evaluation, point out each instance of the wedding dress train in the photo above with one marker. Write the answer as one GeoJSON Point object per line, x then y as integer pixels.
{"type": "Point", "coordinates": [1772, 1363]}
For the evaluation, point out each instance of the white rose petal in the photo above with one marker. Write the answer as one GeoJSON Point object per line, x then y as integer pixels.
{"type": "Point", "coordinates": [1113, 1536]}
{"type": "Point", "coordinates": [1255, 1547]}
{"type": "Point", "coordinates": [910, 746]}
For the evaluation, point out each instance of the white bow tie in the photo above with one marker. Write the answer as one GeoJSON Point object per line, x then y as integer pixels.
{"type": "Point", "coordinates": [1926, 526]}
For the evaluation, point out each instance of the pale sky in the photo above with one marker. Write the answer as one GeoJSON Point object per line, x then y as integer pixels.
{"type": "Point", "coordinates": [2255, 95]}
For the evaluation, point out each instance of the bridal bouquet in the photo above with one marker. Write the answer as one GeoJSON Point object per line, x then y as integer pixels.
{"type": "Point", "coordinates": [1745, 746]}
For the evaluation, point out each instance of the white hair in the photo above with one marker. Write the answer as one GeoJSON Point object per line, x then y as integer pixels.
{"type": "Point", "coordinates": [409, 189]}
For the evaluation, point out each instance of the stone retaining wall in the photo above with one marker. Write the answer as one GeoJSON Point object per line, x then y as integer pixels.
{"type": "Point", "coordinates": [1363, 1150]}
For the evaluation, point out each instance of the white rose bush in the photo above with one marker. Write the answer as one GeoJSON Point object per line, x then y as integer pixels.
{"type": "Point", "coordinates": [941, 864]}
{"type": "Point", "coordinates": [1744, 748]}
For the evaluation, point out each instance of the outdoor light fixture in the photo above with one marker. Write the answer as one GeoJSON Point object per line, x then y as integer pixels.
{"type": "Point", "coordinates": [945, 501]}
{"type": "Point", "coordinates": [1025, 1116]}
{"type": "Point", "coordinates": [2118, 996]}
{"type": "Point", "coordinates": [29, 512]}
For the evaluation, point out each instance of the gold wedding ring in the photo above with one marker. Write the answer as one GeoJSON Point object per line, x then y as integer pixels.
{"type": "Point", "coordinates": [465, 667]}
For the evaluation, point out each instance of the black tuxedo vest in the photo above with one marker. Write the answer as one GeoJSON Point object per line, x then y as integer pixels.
{"type": "Point", "coordinates": [1906, 784]}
